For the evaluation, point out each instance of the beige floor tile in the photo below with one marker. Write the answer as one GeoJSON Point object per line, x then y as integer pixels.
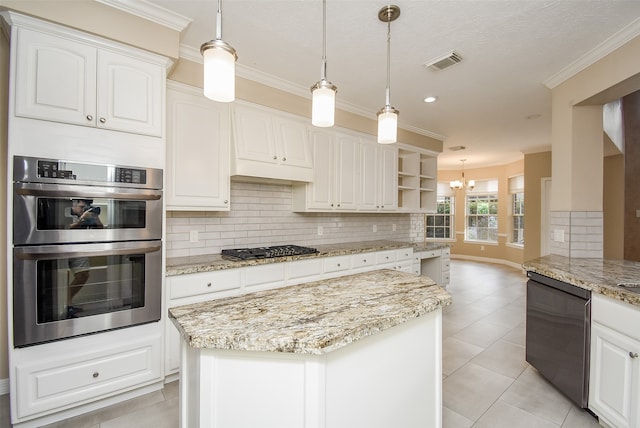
{"type": "Point", "coordinates": [532, 393]}
{"type": "Point", "coordinates": [504, 415]}
{"type": "Point", "coordinates": [471, 390]}
{"type": "Point", "coordinates": [517, 335]}
{"type": "Point", "coordinates": [161, 415]}
{"type": "Point", "coordinates": [456, 353]}
{"type": "Point", "coordinates": [481, 333]}
{"type": "Point", "coordinates": [451, 419]}
{"type": "Point", "coordinates": [5, 413]}
{"type": "Point", "coordinates": [508, 317]}
{"type": "Point", "coordinates": [503, 357]}
{"type": "Point", "coordinates": [171, 390]}
{"type": "Point", "coordinates": [579, 418]}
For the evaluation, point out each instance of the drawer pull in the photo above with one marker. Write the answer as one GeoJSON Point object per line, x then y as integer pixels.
{"type": "Point", "coordinates": [208, 284]}
{"type": "Point", "coordinates": [95, 375]}
{"type": "Point", "coordinates": [633, 354]}
{"type": "Point", "coordinates": [89, 117]}
{"type": "Point", "coordinates": [338, 264]}
{"type": "Point", "coordinates": [103, 120]}
{"type": "Point", "coordinates": [364, 260]}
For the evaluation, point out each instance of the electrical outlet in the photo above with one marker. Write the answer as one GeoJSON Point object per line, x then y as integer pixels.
{"type": "Point", "coordinates": [558, 235]}
{"type": "Point", "coordinates": [375, 228]}
{"type": "Point", "coordinates": [193, 236]}
{"type": "Point", "coordinates": [393, 227]}
{"type": "Point", "coordinates": [319, 230]}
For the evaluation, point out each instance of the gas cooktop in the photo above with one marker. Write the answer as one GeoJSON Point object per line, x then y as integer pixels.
{"type": "Point", "coordinates": [267, 252]}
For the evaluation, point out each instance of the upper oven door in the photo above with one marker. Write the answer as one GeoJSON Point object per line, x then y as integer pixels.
{"type": "Point", "coordinates": [45, 213]}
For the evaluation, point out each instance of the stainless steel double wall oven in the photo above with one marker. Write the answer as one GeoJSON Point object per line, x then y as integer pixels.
{"type": "Point", "coordinates": [87, 253]}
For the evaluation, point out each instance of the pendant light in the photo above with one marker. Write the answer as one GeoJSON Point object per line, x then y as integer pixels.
{"type": "Point", "coordinates": [388, 115]}
{"type": "Point", "coordinates": [219, 65]}
{"type": "Point", "coordinates": [323, 104]}
{"type": "Point", "coordinates": [462, 183]}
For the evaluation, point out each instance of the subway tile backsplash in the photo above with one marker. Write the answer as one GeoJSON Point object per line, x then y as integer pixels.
{"type": "Point", "coordinates": [261, 216]}
{"type": "Point", "coordinates": [582, 233]}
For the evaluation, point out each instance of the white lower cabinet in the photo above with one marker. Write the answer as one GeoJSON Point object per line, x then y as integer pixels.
{"type": "Point", "coordinates": [433, 263]}
{"type": "Point", "coordinates": [614, 385]}
{"type": "Point", "coordinates": [85, 369]}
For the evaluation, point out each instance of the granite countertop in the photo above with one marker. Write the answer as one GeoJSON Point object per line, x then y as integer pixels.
{"type": "Point", "coordinates": [214, 262]}
{"type": "Point", "coordinates": [312, 318]}
{"type": "Point", "coordinates": [598, 275]}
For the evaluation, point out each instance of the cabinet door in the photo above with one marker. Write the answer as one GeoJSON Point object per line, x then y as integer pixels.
{"type": "Point", "coordinates": [614, 379]}
{"type": "Point", "coordinates": [55, 79]}
{"type": "Point", "coordinates": [369, 170]}
{"type": "Point", "coordinates": [254, 136]}
{"type": "Point", "coordinates": [388, 178]}
{"type": "Point", "coordinates": [320, 192]}
{"type": "Point", "coordinates": [130, 94]}
{"type": "Point", "coordinates": [292, 138]}
{"type": "Point", "coordinates": [347, 184]}
{"type": "Point", "coordinates": [197, 152]}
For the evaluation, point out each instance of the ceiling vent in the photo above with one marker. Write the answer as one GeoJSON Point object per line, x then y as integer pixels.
{"type": "Point", "coordinates": [457, 148]}
{"type": "Point", "coordinates": [442, 62]}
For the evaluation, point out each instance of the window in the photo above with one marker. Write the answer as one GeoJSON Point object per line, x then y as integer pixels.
{"type": "Point", "coordinates": [441, 225]}
{"type": "Point", "coordinates": [482, 212]}
{"type": "Point", "coordinates": [516, 190]}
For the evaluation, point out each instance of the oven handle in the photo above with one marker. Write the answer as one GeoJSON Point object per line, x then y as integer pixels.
{"type": "Point", "coordinates": [37, 189]}
{"type": "Point", "coordinates": [45, 252]}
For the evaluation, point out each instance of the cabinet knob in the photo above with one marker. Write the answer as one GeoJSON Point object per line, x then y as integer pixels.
{"type": "Point", "coordinates": [208, 284]}
{"type": "Point", "coordinates": [633, 354]}
{"type": "Point", "coordinates": [89, 117]}
{"type": "Point", "coordinates": [387, 257]}
{"type": "Point", "coordinates": [364, 260]}
{"type": "Point", "coordinates": [382, 206]}
{"type": "Point", "coordinates": [95, 375]}
{"type": "Point", "coordinates": [275, 157]}
{"type": "Point", "coordinates": [284, 159]}
{"type": "Point", "coordinates": [103, 120]}
{"type": "Point", "coordinates": [226, 201]}
{"type": "Point", "coordinates": [338, 264]}
{"type": "Point", "coordinates": [331, 204]}
{"type": "Point", "coordinates": [338, 205]}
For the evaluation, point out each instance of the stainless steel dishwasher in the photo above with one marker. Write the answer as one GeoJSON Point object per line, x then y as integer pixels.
{"type": "Point", "coordinates": [558, 334]}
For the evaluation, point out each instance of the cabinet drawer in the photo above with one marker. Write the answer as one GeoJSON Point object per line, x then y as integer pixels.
{"type": "Point", "coordinates": [446, 265]}
{"type": "Point", "coordinates": [87, 372]}
{"type": "Point", "coordinates": [620, 316]}
{"type": "Point", "coordinates": [268, 275]}
{"type": "Point", "coordinates": [363, 260]}
{"type": "Point", "coordinates": [336, 264]}
{"type": "Point", "coordinates": [446, 253]}
{"type": "Point", "coordinates": [404, 254]}
{"type": "Point", "coordinates": [430, 254]}
{"type": "Point", "coordinates": [304, 269]}
{"type": "Point", "coordinates": [445, 278]}
{"type": "Point", "coordinates": [383, 257]}
{"type": "Point", "coordinates": [203, 283]}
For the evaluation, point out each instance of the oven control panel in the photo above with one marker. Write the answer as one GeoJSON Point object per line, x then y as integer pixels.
{"type": "Point", "coordinates": [101, 173]}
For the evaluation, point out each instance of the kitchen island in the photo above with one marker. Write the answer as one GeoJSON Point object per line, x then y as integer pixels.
{"type": "Point", "coordinates": [357, 350]}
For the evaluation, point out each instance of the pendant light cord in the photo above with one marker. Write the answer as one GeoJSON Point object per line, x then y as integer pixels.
{"type": "Point", "coordinates": [219, 21]}
{"type": "Point", "coordinates": [388, 59]}
{"type": "Point", "coordinates": [323, 71]}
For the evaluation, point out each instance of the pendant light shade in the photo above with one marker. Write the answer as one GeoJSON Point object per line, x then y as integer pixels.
{"type": "Point", "coordinates": [323, 104]}
{"type": "Point", "coordinates": [219, 65]}
{"type": "Point", "coordinates": [387, 125]}
{"type": "Point", "coordinates": [388, 115]}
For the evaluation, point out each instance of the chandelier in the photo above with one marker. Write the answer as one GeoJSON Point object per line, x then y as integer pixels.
{"type": "Point", "coordinates": [462, 183]}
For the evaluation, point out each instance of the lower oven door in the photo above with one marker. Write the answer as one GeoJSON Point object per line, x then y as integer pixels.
{"type": "Point", "coordinates": [61, 291]}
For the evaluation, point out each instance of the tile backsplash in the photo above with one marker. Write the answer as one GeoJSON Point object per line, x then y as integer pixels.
{"type": "Point", "coordinates": [577, 234]}
{"type": "Point", "coordinates": [261, 216]}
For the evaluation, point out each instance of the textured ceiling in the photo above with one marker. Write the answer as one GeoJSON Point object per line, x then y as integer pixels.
{"type": "Point", "coordinates": [510, 48]}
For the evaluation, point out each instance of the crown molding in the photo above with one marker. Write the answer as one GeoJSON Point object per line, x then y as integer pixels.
{"type": "Point", "coordinates": [620, 38]}
{"type": "Point", "coordinates": [151, 12]}
{"type": "Point", "coordinates": [192, 54]}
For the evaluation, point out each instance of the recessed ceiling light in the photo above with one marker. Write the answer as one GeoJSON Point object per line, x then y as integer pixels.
{"type": "Point", "coordinates": [430, 99]}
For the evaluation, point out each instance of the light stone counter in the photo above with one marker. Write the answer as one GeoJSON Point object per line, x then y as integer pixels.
{"type": "Point", "coordinates": [214, 262]}
{"type": "Point", "coordinates": [598, 275]}
{"type": "Point", "coordinates": [312, 318]}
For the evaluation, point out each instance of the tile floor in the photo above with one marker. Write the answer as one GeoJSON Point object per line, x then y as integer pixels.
{"type": "Point", "coordinates": [486, 382]}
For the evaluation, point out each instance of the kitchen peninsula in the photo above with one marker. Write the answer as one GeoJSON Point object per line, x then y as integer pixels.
{"type": "Point", "coordinates": [357, 350]}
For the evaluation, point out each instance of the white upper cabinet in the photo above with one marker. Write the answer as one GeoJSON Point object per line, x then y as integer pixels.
{"type": "Point", "coordinates": [198, 141]}
{"type": "Point", "coordinates": [335, 184]}
{"type": "Point", "coordinates": [65, 80]}
{"type": "Point", "coordinates": [378, 177]}
{"type": "Point", "coordinates": [270, 144]}
{"type": "Point", "coordinates": [417, 180]}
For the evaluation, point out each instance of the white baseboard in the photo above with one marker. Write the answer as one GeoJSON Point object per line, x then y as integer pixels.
{"type": "Point", "coordinates": [488, 260]}
{"type": "Point", "coordinates": [4, 386]}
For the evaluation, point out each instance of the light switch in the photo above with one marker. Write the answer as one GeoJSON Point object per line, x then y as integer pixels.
{"type": "Point", "coordinates": [193, 236]}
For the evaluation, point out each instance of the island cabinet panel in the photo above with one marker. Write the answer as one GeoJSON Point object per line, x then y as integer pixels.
{"type": "Point", "coordinates": [359, 385]}
{"type": "Point", "coordinates": [614, 386]}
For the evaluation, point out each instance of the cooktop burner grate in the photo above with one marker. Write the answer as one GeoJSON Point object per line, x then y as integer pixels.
{"type": "Point", "coordinates": [267, 252]}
